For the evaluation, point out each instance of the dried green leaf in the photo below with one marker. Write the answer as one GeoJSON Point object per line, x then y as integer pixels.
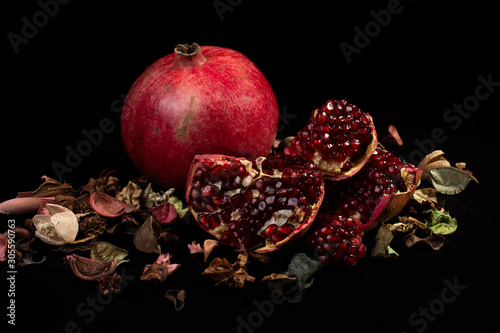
{"type": "Point", "coordinates": [450, 180]}
{"type": "Point", "coordinates": [442, 223]}
{"type": "Point", "coordinates": [299, 276]}
{"type": "Point", "coordinates": [177, 203]}
{"type": "Point", "coordinates": [104, 251]}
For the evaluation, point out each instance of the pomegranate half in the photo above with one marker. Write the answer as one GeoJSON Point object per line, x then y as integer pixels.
{"type": "Point", "coordinates": [260, 204]}
{"type": "Point", "coordinates": [197, 100]}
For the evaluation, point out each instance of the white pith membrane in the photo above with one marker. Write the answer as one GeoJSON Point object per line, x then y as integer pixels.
{"type": "Point", "coordinates": [290, 217]}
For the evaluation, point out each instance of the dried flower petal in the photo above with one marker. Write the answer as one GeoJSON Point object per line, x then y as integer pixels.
{"type": "Point", "coordinates": [89, 269]}
{"type": "Point", "coordinates": [393, 138]}
{"type": "Point", "coordinates": [160, 269]}
{"type": "Point", "coordinates": [58, 228]}
{"type": "Point", "coordinates": [195, 247]}
{"type": "Point", "coordinates": [165, 213]}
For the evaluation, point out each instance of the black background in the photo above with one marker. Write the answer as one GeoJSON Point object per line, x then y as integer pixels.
{"type": "Point", "coordinates": [69, 75]}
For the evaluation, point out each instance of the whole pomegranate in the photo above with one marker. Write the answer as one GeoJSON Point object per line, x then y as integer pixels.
{"type": "Point", "coordinates": [197, 100]}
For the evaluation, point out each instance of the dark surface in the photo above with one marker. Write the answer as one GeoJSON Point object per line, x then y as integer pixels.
{"type": "Point", "coordinates": [72, 73]}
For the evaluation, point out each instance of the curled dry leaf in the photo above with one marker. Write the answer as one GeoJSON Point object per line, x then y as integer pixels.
{"type": "Point", "coordinates": [49, 188]}
{"type": "Point", "coordinates": [299, 276]}
{"type": "Point", "coordinates": [160, 269]}
{"type": "Point", "coordinates": [431, 161]}
{"type": "Point", "coordinates": [208, 246]}
{"type": "Point", "coordinates": [441, 223]}
{"type": "Point", "coordinates": [89, 269]}
{"type": "Point", "coordinates": [382, 240]}
{"type": "Point", "coordinates": [145, 237]}
{"type": "Point", "coordinates": [104, 251]}
{"type": "Point", "coordinates": [177, 297]}
{"type": "Point", "coordinates": [107, 206]}
{"type": "Point", "coordinates": [152, 199]}
{"type": "Point", "coordinates": [131, 195]}
{"type": "Point", "coordinates": [432, 240]}
{"type": "Point", "coordinates": [424, 195]}
{"type": "Point", "coordinates": [450, 180]}
{"type": "Point", "coordinates": [58, 228]}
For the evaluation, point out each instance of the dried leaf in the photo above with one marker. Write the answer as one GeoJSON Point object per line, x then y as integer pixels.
{"type": "Point", "coordinates": [152, 199]}
{"type": "Point", "coordinates": [145, 236]}
{"type": "Point", "coordinates": [131, 195]}
{"type": "Point", "coordinates": [450, 180]}
{"type": "Point", "coordinates": [382, 240]}
{"type": "Point", "coordinates": [441, 223]}
{"type": "Point", "coordinates": [298, 277]}
{"type": "Point", "coordinates": [424, 195]}
{"type": "Point", "coordinates": [431, 161]}
{"type": "Point", "coordinates": [104, 251]}
{"type": "Point", "coordinates": [432, 240]}
{"type": "Point", "coordinates": [177, 297]}
{"type": "Point", "coordinates": [178, 205]}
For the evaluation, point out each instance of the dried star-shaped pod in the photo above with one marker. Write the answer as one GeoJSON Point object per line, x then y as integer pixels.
{"type": "Point", "coordinates": [233, 274]}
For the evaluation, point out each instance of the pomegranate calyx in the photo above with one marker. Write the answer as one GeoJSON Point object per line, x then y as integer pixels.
{"type": "Point", "coordinates": [188, 56]}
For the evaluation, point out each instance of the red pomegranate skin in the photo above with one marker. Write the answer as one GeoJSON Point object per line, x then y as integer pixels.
{"type": "Point", "coordinates": [215, 101]}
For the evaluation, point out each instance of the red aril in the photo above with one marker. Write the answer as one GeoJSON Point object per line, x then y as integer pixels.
{"type": "Point", "coordinates": [260, 204]}
{"type": "Point", "coordinates": [197, 100]}
{"type": "Point", "coordinates": [339, 138]}
{"type": "Point", "coordinates": [377, 193]}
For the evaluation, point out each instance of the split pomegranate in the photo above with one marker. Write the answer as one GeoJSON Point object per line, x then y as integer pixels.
{"type": "Point", "coordinates": [337, 238]}
{"type": "Point", "coordinates": [377, 193]}
{"type": "Point", "coordinates": [339, 138]}
{"type": "Point", "coordinates": [197, 100]}
{"type": "Point", "coordinates": [260, 204]}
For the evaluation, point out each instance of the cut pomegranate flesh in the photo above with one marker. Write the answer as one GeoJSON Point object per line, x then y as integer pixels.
{"type": "Point", "coordinates": [260, 204]}
{"type": "Point", "coordinates": [377, 192]}
{"type": "Point", "coordinates": [337, 238]}
{"type": "Point", "coordinates": [339, 138]}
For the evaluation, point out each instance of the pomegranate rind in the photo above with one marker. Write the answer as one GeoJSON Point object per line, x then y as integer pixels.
{"type": "Point", "coordinates": [391, 205]}
{"type": "Point", "coordinates": [298, 232]}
